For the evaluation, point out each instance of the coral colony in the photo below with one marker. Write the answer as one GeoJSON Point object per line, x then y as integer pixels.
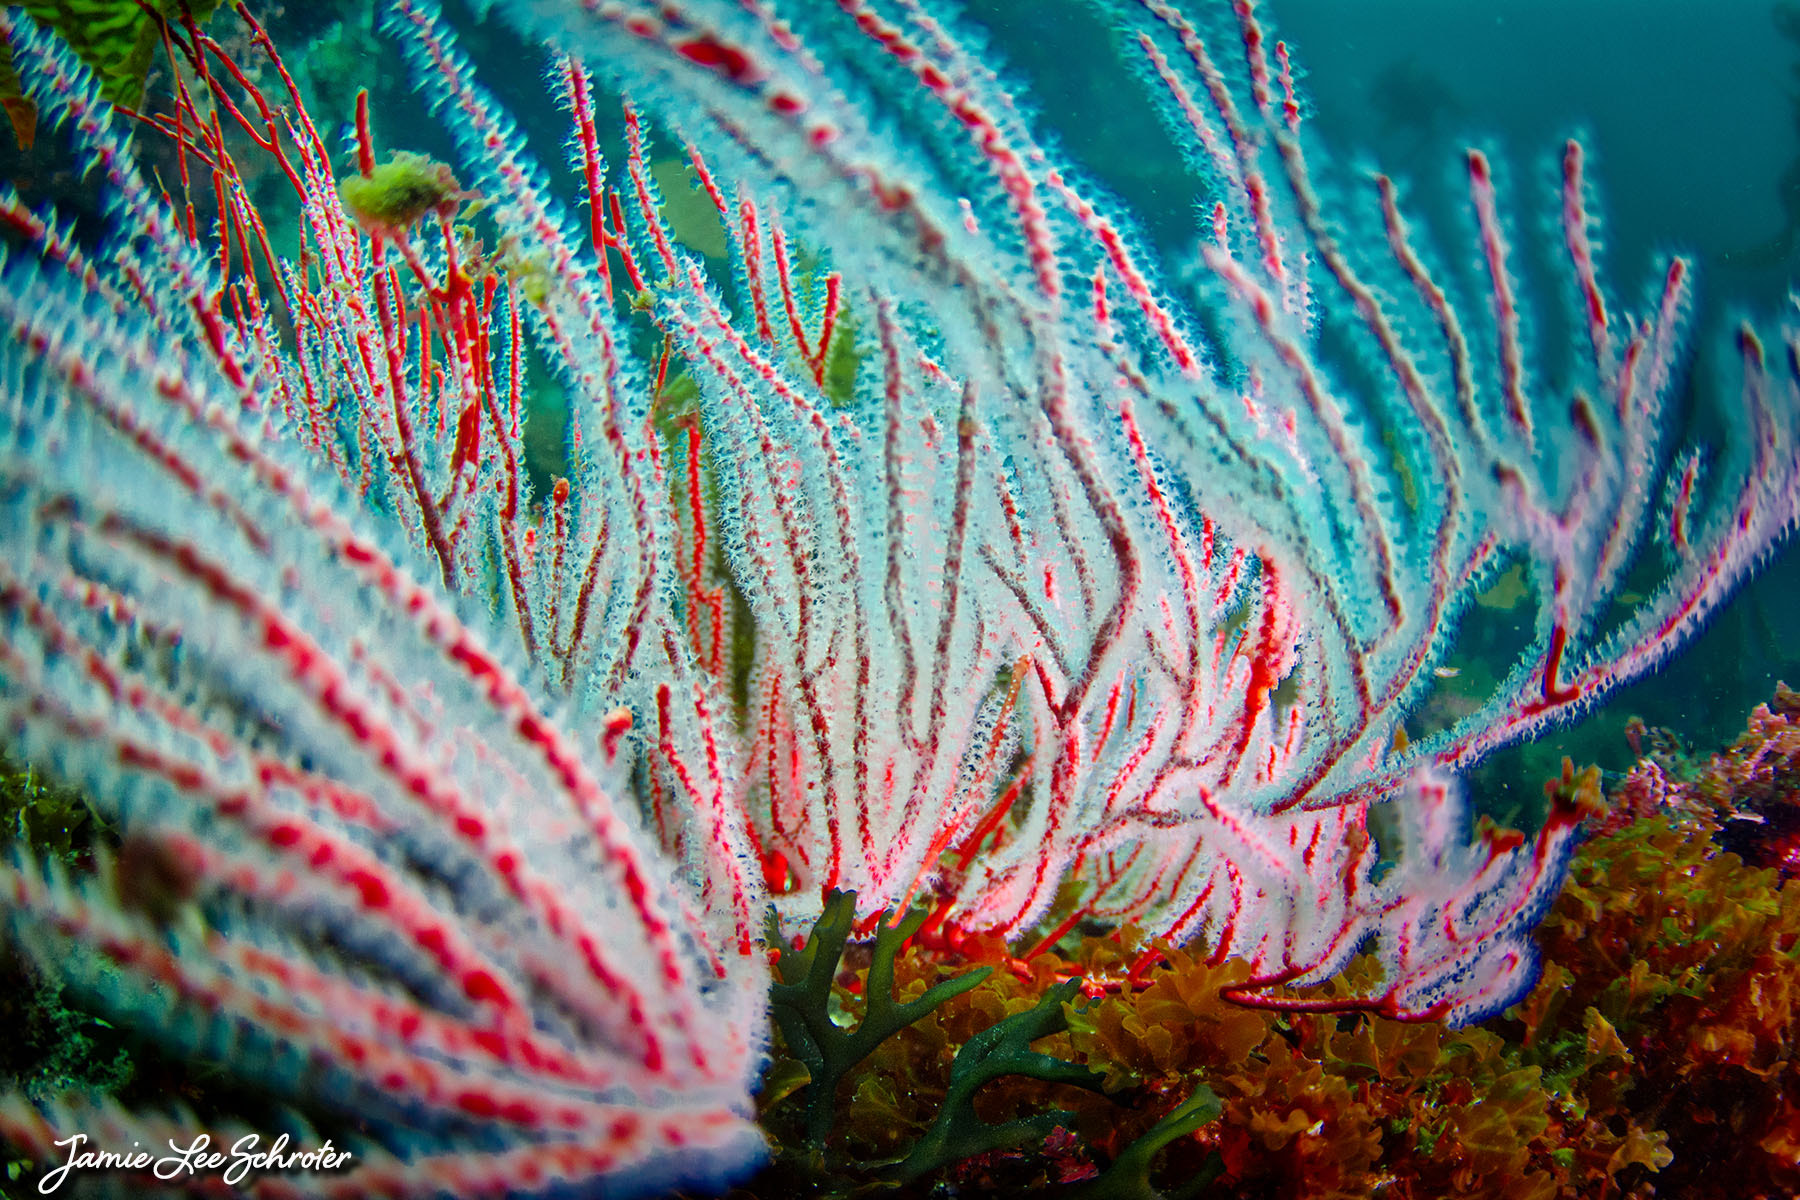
{"type": "Point", "coordinates": [939, 544]}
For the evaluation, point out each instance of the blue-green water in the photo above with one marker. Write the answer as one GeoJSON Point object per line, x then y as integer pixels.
{"type": "Point", "coordinates": [1693, 135]}
{"type": "Point", "coordinates": [1691, 116]}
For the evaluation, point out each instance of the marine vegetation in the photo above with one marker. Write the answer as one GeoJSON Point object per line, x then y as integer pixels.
{"type": "Point", "coordinates": [936, 559]}
{"type": "Point", "coordinates": [1655, 1055]}
{"type": "Point", "coordinates": [117, 39]}
{"type": "Point", "coordinates": [397, 193]}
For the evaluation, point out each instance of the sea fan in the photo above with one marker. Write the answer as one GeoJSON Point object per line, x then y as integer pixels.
{"type": "Point", "coordinates": [944, 547]}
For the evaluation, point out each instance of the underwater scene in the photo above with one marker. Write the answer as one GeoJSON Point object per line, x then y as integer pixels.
{"type": "Point", "coordinates": [900, 598]}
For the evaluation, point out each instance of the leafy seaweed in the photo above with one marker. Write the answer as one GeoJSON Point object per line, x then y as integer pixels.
{"type": "Point", "coordinates": [118, 39]}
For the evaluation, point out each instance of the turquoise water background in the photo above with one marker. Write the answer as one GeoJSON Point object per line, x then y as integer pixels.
{"type": "Point", "coordinates": [1690, 112]}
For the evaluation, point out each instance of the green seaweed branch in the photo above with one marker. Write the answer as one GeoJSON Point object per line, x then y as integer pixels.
{"type": "Point", "coordinates": [800, 1002]}
{"type": "Point", "coordinates": [1001, 1049]}
{"type": "Point", "coordinates": [1128, 1178]}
